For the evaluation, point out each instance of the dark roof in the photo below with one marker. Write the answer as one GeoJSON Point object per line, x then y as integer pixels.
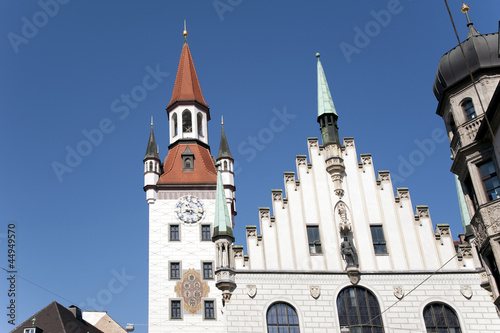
{"type": "Point", "coordinates": [481, 52]}
{"type": "Point", "coordinates": [224, 151]}
{"type": "Point", "coordinates": [152, 150]}
{"type": "Point", "coordinates": [55, 318]}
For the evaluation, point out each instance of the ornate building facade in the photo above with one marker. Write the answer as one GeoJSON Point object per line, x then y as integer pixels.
{"type": "Point", "coordinates": [337, 251]}
{"type": "Point", "coordinates": [469, 104]}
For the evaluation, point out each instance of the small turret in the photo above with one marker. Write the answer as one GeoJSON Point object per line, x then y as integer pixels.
{"type": "Point", "coordinates": [152, 167]}
{"type": "Point", "coordinates": [227, 170]}
{"type": "Point", "coordinates": [223, 239]}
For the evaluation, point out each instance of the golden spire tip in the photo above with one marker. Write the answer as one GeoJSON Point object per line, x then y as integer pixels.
{"type": "Point", "coordinates": [185, 33]}
{"type": "Point", "coordinates": [151, 121]}
{"type": "Point", "coordinates": [464, 8]}
{"type": "Point", "coordinates": [222, 120]}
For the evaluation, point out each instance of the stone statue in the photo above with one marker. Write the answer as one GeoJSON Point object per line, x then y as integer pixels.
{"type": "Point", "coordinates": [349, 252]}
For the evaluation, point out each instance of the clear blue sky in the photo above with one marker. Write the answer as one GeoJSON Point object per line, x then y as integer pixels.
{"type": "Point", "coordinates": [65, 76]}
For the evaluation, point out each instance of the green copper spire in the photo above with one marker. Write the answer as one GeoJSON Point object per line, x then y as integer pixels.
{"type": "Point", "coordinates": [152, 150]}
{"type": "Point", "coordinates": [464, 213]}
{"type": "Point", "coordinates": [325, 101]}
{"type": "Point", "coordinates": [222, 222]}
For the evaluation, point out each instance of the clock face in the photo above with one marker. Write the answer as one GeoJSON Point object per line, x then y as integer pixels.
{"type": "Point", "coordinates": [189, 209]}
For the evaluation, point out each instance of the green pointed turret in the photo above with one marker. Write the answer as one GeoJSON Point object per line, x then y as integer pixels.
{"type": "Point", "coordinates": [327, 115]}
{"type": "Point", "coordinates": [152, 150]}
{"type": "Point", "coordinates": [224, 151]}
{"type": "Point", "coordinates": [222, 222]}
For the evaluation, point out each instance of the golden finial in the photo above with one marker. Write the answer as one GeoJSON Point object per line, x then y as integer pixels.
{"type": "Point", "coordinates": [185, 32]}
{"type": "Point", "coordinates": [464, 8]}
{"type": "Point", "coordinates": [222, 120]}
{"type": "Point", "coordinates": [151, 121]}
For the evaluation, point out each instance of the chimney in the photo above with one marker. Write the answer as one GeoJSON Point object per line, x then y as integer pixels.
{"type": "Point", "coordinates": [76, 312]}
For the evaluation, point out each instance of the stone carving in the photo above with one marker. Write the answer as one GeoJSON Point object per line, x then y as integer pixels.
{"type": "Point", "coordinates": [315, 291]}
{"type": "Point", "coordinates": [289, 177]}
{"type": "Point", "coordinates": [313, 143]}
{"type": "Point", "coordinates": [466, 291]}
{"type": "Point", "coordinates": [337, 183]}
{"type": "Point", "coordinates": [404, 194]}
{"type": "Point", "coordinates": [226, 296]}
{"type": "Point", "coordinates": [301, 160]}
{"type": "Point", "coordinates": [398, 292]}
{"type": "Point", "coordinates": [384, 176]}
{"type": "Point", "coordinates": [251, 290]}
{"type": "Point", "coordinates": [466, 251]}
{"type": "Point", "coordinates": [479, 230]}
{"type": "Point", "coordinates": [353, 274]}
{"type": "Point", "coordinates": [264, 214]}
{"type": "Point", "coordinates": [423, 212]}
{"type": "Point", "coordinates": [349, 253]}
{"type": "Point", "coordinates": [251, 232]}
{"type": "Point", "coordinates": [277, 196]}
{"type": "Point", "coordinates": [349, 143]}
{"type": "Point", "coordinates": [344, 225]}
{"type": "Point", "coordinates": [444, 231]}
{"type": "Point", "coordinates": [238, 253]}
{"type": "Point", "coordinates": [366, 160]}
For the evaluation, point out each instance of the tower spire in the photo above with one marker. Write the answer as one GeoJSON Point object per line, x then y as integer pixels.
{"type": "Point", "coordinates": [327, 116]}
{"type": "Point", "coordinates": [224, 151]}
{"type": "Point", "coordinates": [222, 222]}
{"type": "Point", "coordinates": [152, 149]}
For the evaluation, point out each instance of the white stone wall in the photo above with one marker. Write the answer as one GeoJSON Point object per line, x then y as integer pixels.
{"type": "Point", "coordinates": [247, 314]}
{"type": "Point", "coordinates": [191, 252]}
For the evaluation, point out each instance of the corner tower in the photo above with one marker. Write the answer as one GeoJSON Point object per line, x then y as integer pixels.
{"type": "Point", "coordinates": [467, 87]}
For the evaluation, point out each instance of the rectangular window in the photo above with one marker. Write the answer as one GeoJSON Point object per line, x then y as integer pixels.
{"type": "Point", "coordinates": [314, 240]}
{"type": "Point", "coordinates": [175, 310]}
{"type": "Point", "coordinates": [469, 189]}
{"type": "Point", "coordinates": [174, 232]}
{"type": "Point", "coordinates": [209, 310]}
{"type": "Point", "coordinates": [379, 244]}
{"type": "Point", "coordinates": [175, 270]}
{"type": "Point", "coordinates": [490, 180]}
{"type": "Point", "coordinates": [205, 232]}
{"type": "Point", "coordinates": [207, 270]}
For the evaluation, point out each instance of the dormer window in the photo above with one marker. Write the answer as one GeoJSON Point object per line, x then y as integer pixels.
{"type": "Point", "coordinates": [468, 108]}
{"type": "Point", "coordinates": [187, 160]}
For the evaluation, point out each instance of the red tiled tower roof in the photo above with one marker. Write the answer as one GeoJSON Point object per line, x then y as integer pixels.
{"type": "Point", "coordinates": [187, 87]}
{"type": "Point", "coordinates": [204, 171]}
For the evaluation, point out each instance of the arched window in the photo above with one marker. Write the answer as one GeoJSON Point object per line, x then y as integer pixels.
{"type": "Point", "coordinates": [359, 311]}
{"type": "Point", "coordinates": [468, 108]}
{"type": "Point", "coordinates": [174, 124]}
{"type": "Point", "coordinates": [150, 166]}
{"type": "Point", "coordinates": [199, 119]}
{"type": "Point", "coordinates": [282, 317]}
{"type": "Point", "coordinates": [440, 317]}
{"type": "Point", "coordinates": [225, 165]}
{"type": "Point", "coordinates": [187, 124]}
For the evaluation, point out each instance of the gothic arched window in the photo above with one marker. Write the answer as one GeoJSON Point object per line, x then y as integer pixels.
{"type": "Point", "coordinates": [199, 119]}
{"type": "Point", "coordinates": [282, 317]}
{"type": "Point", "coordinates": [468, 108]}
{"type": "Point", "coordinates": [439, 317]}
{"type": "Point", "coordinates": [174, 124]}
{"type": "Point", "coordinates": [359, 311]}
{"type": "Point", "coordinates": [225, 165]}
{"type": "Point", "coordinates": [187, 124]}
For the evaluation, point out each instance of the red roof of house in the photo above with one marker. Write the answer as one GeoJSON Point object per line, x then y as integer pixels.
{"type": "Point", "coordinates": [187, 87]}
{"type": "Point", "coordinates": [204, 171]}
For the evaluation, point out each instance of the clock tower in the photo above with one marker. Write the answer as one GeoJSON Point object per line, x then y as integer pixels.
{"type": "Point", "coordinates": [182, 198]}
